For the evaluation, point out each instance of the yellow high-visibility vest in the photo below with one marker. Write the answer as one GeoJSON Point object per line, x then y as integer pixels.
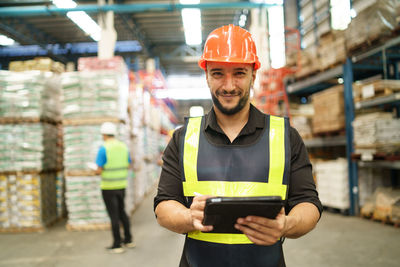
{"type": "Point", "coordinates": [115, 172]}
{"type": "Point", "coordinates": [275, 139]}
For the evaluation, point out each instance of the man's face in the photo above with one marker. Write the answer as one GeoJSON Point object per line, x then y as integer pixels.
{"type": "Point", "coordinates": [230, 85]}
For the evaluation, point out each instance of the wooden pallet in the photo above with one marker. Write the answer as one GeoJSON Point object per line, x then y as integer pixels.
{"type": "Point", "coordinates": [90, 121]}
{"type": "Point", "coordinates": [378, 156]}
{"type": "Point", "coordinates": [21, 172]}
{"type": "Point", "coordinates": [18, 120]}
{"type": "Point", "coordinates": [80, 173]}
{"type": "Point", "coordinates": [9, 230]}
{"type": "Point", "coordinates": [332, 133]}
{"type": "Point", "coordinates": [89, 227]}
{"type": "Point", "coordinates": [386, 221]}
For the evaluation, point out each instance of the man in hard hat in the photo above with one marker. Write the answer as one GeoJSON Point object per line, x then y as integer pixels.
{"type": "Point", "coordinates": [113, 161]}
{"type": "Point", "coordinates": [235, 150]}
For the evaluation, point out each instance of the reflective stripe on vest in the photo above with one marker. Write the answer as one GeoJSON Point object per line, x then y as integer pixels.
{"type": "Point", "coordinates": [274, 186]}
{"type": "Point", "coordinates": [115, 170]}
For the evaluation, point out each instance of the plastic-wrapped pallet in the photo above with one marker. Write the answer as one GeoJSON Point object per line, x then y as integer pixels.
{"type": "Point", "coordinates": [369, 180]}
{"type": "Point", "coordinates": [81, 143]}
{"type": "Point", "coordinates": [28, 201]}
{"type": "Point", "coordinates": [84, 201]}
{"type": "Point", "coordinates": [95, 94]}
{"type": "Point", "coordinates": [28, 146]}
{"type": "Point", "coordinates": [333, 183]}
{"type": "Point", "coordinates": [376, 132]}
{"type": "Point", "coordinates": [32, 94]}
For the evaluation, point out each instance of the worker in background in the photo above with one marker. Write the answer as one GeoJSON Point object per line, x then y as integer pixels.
{"type": "Point", "coordinates": [235, 150]}
{"type": "Point", "coordinates": [113, 161]}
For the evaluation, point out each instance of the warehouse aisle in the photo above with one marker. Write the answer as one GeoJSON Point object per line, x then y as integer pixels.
{"type": "Point", "coordinates": [156, 247]}
{"type": "Point", "coordinates": [337, 241]}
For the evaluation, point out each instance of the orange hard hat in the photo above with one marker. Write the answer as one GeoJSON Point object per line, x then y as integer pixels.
{"type": "Point", "coordinates": [229, 43]}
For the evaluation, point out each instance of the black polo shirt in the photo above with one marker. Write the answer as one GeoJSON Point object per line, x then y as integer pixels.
{"type": "Point", "coordinates": [301, 186]}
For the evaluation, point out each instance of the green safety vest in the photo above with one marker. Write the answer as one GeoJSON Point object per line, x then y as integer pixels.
{"type": "Point", "coordinates": [276, 141]}
{"type": "Point", "coordinates": [115, 171]}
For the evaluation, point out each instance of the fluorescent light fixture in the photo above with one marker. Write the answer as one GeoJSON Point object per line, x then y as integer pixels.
{"type": "Point", "coordinates": [191, 18]}
{"type": "Point", "coordinates": [80, 18]}
{"type": "Point", "coordinates": [271, 2]}
{"type": "Point", "coordinates": [6, 41]}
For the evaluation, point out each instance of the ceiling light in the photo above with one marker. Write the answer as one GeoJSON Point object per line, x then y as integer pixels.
{"type": "Point", "coordinates": [81, 19]}
{"type": "Point", "coordinates": [191, 18]}
{"type": "Point", "coordinates": [6, 41]}
{"type": "Point", "coordinates": [86, 23]}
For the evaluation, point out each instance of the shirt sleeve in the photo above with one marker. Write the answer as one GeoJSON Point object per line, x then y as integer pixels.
{"type": "Point", "coordinates": [101, 158]}
{"type": "Point", "coordinates": [301, 184]}
{"type": "Point", "coordinates": [129, 158]}
{"type": "Point", "coordinates": [170, 185]}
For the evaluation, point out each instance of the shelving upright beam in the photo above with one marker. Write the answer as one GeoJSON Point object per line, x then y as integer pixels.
{"type": "Point", "coordinates": [349, 110]}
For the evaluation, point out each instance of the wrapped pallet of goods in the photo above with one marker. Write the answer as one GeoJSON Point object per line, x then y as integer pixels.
{"type": "Point", "coordinates": [369, 179]}
{"type": "Point", "coordinates": [301, 117]}
{"type": "Point", "coordinates": [333, 183]}
{"type": "Point", "coordinates": [95, 94]}
{"type": "Point", "coordinates": [372, 24]}
{"type": "Point", "coordinates": [375, 88]}
{"type": "Point", "coordinates": [332, 50]}
{"type": "Point", "coordinates": [376, 134]}
{"type": "Point", "coordinates": [384, 206]}
{"type": "Point", "coordinates": [29, 150]}
{"type": "Point", "coordinates": [329, 113]}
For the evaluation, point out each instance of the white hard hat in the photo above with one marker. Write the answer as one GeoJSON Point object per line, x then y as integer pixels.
{"type": "Point", "coordinates": [108, 128]}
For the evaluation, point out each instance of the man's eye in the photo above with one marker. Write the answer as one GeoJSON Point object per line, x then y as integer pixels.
{"type": "Point", "coordinates": [217, 74]}
{"type": "Point", "coordinates": [240, 73]}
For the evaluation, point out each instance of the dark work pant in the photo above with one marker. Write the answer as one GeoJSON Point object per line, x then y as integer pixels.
{"type": "Point", "coordinates": [114, 201]}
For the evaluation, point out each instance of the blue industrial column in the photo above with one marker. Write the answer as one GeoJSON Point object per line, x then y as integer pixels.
{"type": "Point", "coordinates": [349, 109]}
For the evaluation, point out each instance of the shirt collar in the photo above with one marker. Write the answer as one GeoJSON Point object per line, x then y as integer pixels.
{"type": "Point", "coordinates": [256, 120]}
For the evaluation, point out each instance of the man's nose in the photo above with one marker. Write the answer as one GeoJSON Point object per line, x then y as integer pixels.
{"type": "Point", "coordinates": [229, 83]}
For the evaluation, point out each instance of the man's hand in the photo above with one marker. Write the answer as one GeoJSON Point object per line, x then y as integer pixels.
{"type": "Point", "coordinates": [197, 213]}
{"type": "Point", "coordinates": [263, 231]}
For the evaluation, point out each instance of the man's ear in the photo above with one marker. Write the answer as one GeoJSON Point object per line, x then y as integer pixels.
{"type": "Point", "coordinates": [253, 78]}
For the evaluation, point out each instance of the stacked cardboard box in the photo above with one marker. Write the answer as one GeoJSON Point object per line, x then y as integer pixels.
{"type": "Point", "coordinates": [309, 62]}
{"type": "Point", "coordinates": [27, 201]}
{"type": "Point", "coordinates": [332, 183]}
{"type": "Point", "coordinates": [301, 116]}
{"type": "Point", "coordinates": [332, 49]}
{"type": "Point", "coordinates": [40, 63]}
{"type": "Point", "coordinates": [328, 110]}
{"type": "Point", "coordinates": [364, 90]}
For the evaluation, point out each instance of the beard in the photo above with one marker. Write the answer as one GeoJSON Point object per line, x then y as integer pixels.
{"type": "Point", "coordinates": [230, 111]}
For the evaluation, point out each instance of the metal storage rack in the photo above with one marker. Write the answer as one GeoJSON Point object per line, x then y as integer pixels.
{"type": "Point", "coordinates": [381, 59]}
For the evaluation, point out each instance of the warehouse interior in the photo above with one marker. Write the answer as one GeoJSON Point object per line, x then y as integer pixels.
{"type": "Point", "coordinates": [66, 67]}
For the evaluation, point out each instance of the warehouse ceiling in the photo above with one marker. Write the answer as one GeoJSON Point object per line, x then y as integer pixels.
{"type": "Point", "coordinates": [156, 25]}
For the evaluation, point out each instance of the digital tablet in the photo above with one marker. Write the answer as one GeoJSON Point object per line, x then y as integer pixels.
{"type": "Point", "coordinates": [223, 212]}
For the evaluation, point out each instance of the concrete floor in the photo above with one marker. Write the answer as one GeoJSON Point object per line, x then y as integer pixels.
{"type": "Point", "coordinates": [337, 241]}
